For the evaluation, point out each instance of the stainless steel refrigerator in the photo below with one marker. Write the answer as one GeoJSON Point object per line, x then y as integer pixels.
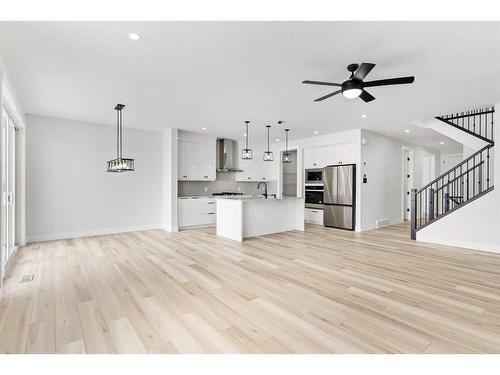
{"type": "Point", "coordinates": [339, 200]}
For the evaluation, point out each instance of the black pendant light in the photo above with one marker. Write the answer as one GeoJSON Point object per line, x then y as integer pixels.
{"type": "Point", "coordinates": [119, 164]}
{"type": "Point", "coordinates": [268, 155]}
{"type": "Point", "coordinates": [287, 157]}
{"type": "Point", "coordinates": [246, 153]}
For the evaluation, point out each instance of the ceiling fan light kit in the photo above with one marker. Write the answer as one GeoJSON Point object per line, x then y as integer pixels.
{"type": "Point", "coordinates": [354, 87]}
{"type": "Point", "coordinates": [120, 164]}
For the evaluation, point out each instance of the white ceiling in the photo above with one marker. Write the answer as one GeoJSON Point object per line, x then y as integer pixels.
{"type": "Point", "coordinates": [217, 74]}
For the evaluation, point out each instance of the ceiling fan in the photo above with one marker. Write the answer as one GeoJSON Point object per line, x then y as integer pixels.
{"type": "Point", "coordinates": [354, 86]}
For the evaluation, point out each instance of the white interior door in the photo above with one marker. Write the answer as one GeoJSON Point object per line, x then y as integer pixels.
{"type": "Point", "coordinates": [8, 185]}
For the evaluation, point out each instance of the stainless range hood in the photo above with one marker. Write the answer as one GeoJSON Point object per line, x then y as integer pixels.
{"type": "Point", "coordinates": [227, 155]}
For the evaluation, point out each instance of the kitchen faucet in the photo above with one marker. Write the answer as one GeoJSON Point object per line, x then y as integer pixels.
{"type": "Point", "coordinates": [265, 190]}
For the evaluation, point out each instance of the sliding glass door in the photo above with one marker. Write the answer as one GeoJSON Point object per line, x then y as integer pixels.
{"type": "Point", "coordinates": [8, 185]}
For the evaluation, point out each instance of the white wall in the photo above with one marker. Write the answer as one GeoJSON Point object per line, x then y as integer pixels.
{"type": "Point", "coordinates": [170, 154]}
{"type": "Point", "coordinates": [448, 161]}
{"type": "Point", "coordinates": [475, 226]}
{"type": "Point", "coordinates": [69, 192]}
{"type": "Point", "coordinates": [381, 196]}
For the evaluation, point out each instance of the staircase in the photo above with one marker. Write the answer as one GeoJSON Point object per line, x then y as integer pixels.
{"type": "Point", "coordinates": [465, 182]}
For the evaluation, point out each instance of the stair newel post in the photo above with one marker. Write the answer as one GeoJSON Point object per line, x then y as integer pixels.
{"type": "Point", "coordinates": [413, 214]}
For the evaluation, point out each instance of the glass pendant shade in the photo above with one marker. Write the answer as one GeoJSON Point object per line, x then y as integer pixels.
{"type": "Point", "coordinates": [268, 155]}
{"type": "Point", "coordinates": [287, 157]}
{"type": "Point", "coordinates": [119, 164]}
{"type": "Point", "coordinates": [246, 153]}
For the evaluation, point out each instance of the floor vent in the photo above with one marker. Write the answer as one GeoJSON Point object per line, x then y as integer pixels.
{"type": "Point", "coordinates": [27, 278]}
{"type": "Point", "coordinates": [382, 223]}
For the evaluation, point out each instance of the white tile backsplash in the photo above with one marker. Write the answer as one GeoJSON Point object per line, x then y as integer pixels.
{"type": "Point", "coordinates": [224, 182]}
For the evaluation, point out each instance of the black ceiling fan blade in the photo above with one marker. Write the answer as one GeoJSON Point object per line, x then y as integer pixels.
{"type": "Point", "coordinates": [322, 83]}
{"type": "Point", "coordinates": [328, 96]}
{"type": "Point", "coordinates": [363, 70]}
{"type": "Point", "coordinates": [366, 96]}
{"type": "Point", "coordinates": [390, 81]}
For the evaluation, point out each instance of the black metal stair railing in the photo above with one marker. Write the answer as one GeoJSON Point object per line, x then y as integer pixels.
{"type": "Point", "coordinates": [467, 181]}
{"type": "Point", "coordinates": [478, 123]}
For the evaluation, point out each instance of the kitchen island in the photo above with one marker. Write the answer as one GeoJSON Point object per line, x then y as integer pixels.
{"type": "Point", "coordinates": [242, 217]}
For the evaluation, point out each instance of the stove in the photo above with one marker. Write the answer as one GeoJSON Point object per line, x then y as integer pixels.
{"type": "Point", "coordinates": [226, 193]}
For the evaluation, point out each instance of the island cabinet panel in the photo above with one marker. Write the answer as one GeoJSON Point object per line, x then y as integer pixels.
{"type": "Point", "coordinates": [196, 212]}
{"type": "Point", "coordinates": [240, 218]}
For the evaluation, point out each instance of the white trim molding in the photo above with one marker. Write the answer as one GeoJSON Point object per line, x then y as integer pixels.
{"type": "Point", "coordinates": [89, 233]}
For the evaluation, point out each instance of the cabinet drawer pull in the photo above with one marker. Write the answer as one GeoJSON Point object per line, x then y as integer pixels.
{"type": "Point", "coordinates": [211, 202]}
{"type": "Point", "coordinates": [249, 178]}
{"type": "Point", "coordinates": [211, 213]}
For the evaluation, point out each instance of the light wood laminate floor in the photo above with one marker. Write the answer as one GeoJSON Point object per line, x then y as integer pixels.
{"type": "Point", "coordinates": [319, 291]}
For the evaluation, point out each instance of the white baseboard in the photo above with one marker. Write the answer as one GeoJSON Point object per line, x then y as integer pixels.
{"type": "Point", "coordinates": [464, 244]}
{"type": "Point", "coordinates": [87, 233]}
{"type": "Point", "coordinates": [372, 226]}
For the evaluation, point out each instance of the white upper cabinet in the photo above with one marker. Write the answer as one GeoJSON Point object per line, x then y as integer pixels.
{"type": "Point", "coordinates": [255, 169]}
{"type": "Point", "coordinates": [312, 158]}
{"type": "Point", "coordinates": [322, 156]}
{"type": "Point", "coordinates": [197, 157]}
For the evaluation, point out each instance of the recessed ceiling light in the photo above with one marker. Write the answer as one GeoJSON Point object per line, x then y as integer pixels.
{"type": "Point", "coordinates": [134, 36]}
{"type": "Point", "coordinates": [316, 132]}
{"type": "Point", "coordinates": [277, 139]}
{"type": "Point", "coordinates": [407, 130]}
{"type": "Point", "coordinates": [364, 116]}
{"type": "Point", "coordinates": [203, 128]}
{"type": "Point", "coordinates": [245, 134]}
{"type": "Point", "coordinates": [441, 143]}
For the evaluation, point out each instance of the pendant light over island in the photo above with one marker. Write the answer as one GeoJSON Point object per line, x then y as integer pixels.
{"type": "Point", "coordinates": [246, 153]}
{"type": "Point", "coordinates": [268, 155]}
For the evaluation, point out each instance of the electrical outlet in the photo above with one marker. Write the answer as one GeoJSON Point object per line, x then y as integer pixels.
{"type": "Point", "coordinates": [51, 225]}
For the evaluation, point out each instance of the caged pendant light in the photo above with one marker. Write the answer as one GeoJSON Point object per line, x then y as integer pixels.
{"type": "Point", "coordinates": [119, 164]}
{"type": "Point", "coordinates": [287, 157]}
{"type": "Point", "coordinates": [246, 153]}
{"type": "Point", "coordinates": [268, 155]}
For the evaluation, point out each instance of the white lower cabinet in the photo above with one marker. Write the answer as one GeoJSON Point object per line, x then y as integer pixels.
{"type": "Point", "coordinates": [196, 212]}
{"type": "Point", "coordinates": [313, 216]}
